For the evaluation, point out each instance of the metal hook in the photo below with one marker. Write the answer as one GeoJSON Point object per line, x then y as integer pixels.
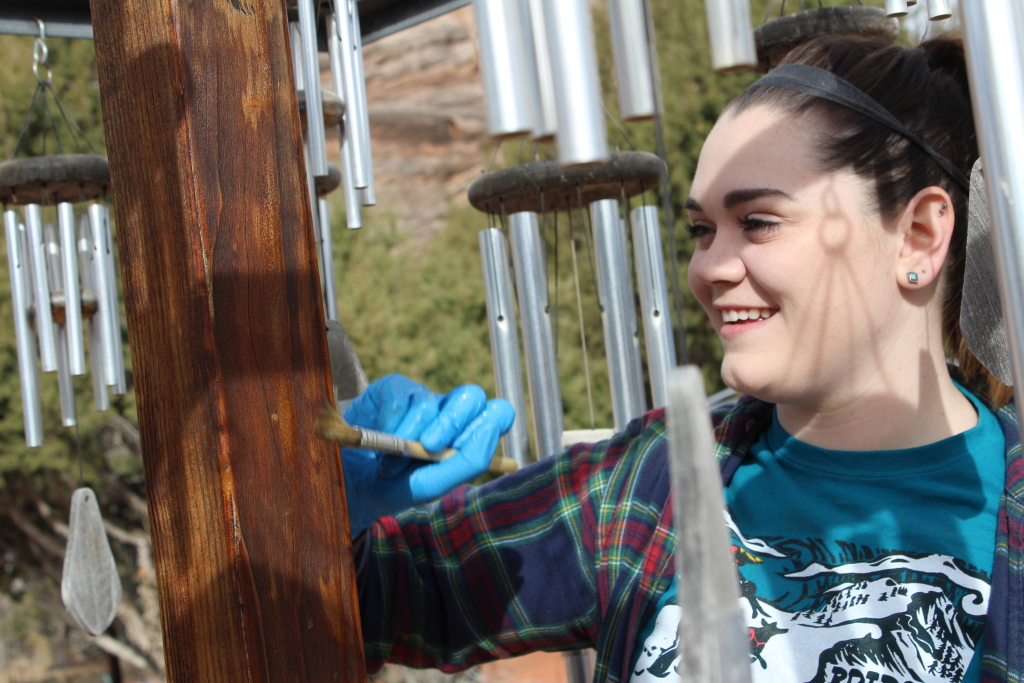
{"type": "Point", "coordinates": [41, 54]}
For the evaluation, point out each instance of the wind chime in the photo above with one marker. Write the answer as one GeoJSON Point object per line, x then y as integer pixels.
{"type": "Point", "coordinates": [62, 275]}
{"type": "Point", "coordinates": [345, 109]}
{"type": "Point", "coordinates": [542, 82]}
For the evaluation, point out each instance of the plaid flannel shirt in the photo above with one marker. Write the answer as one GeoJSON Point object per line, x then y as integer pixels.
{"type": "Point", "coordinates": [574, 551]}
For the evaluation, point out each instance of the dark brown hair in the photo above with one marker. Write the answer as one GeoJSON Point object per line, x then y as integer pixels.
{"type": "Point", "coordinates": [926, 89]}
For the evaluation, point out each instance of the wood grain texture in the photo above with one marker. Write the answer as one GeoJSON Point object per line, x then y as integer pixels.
{"type": "Point", "coordinates": [247, 507]}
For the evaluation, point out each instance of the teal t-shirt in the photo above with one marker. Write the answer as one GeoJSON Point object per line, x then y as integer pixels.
{"type": "Point", "coordinates": [857, 567]}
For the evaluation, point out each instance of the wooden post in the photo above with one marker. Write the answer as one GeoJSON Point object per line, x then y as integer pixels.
{"type": "Point", "coordinates": [229, 353]}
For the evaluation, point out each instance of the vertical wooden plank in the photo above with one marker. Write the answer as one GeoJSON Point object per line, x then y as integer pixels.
{"type": "Point", "coordinates": [247, 505]}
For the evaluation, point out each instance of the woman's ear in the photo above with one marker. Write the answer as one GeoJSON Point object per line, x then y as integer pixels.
{"type": "Point", "coordinates": [926, 227]}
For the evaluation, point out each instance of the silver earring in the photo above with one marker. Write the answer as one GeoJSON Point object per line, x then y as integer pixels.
{"type": "Point", "coordinates": [942, 209]}
{"type": "Point", "coordinates": [912, 277]}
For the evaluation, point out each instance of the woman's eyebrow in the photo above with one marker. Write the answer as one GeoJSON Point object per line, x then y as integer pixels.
{"type": "Point", "coordinates": [739, 196]}
{"type": "Point", "coordinates": [691, 204]}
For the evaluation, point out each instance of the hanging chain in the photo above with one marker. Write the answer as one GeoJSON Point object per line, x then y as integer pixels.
{"type": "Point", "coordinates": [41, 65]}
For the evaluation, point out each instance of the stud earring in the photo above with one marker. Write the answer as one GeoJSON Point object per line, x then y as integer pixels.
{"type": "Point", "coordinates": [942, 209]}
{"type": "Point", "coordinates": [912, 277]}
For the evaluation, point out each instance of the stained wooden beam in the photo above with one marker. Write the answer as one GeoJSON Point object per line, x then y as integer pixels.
{"type": "Point", "coordinates": [229, 355]}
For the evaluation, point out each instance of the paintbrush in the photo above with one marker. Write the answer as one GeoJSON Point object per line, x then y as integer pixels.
{"type": "Point", "coordinates": [333, 427]}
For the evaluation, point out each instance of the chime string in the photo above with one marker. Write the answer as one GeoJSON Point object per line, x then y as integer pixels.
{"type": "Point", "coordinates": [590, 251]}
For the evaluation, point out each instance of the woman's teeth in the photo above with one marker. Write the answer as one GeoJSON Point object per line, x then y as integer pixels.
{"type": "Point", "coordinates": [733, 315]}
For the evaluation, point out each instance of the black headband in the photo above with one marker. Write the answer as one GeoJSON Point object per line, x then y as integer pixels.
{"type": "Point", "coordinates": [826, 85]}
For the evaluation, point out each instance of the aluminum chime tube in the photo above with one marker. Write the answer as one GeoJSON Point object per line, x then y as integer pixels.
{"type": "Point", "coordinates": [506, 66]}
{"type": "Point", "coordinates": [582, 135]}
{"type": "Point", "coordinates": [618, 314]}
{"type": "Point", "coordinates": [72, 295]}
{"type": "Point", "coordinates": [628, 19]}
{"type": "Point", "coordinates": [896, 8]}
{"type": "Point", "coordinates": [327, 256]}
{"type": "Point", "coordinates": [353, 204]}
{"type": "Point", "coordinates": [545, 123]}
{"type": "Point", "coordinates": [538, 342]}
{"type": "Point", "coordinates": [941, 9]}
{"type": "Point", "coordinates": [41, 288]}
{"type": "Point", "coordinates": [994, 42]}
{"type": "Point", "coordinates": [25, 340]}
{"type": "Point", "coordinates": [65, 383]}
{"type": "Point", "coordinates": [314, 103]}
{"type": "Point", "coordinates": [361, 171]}
{"type": "Point", "coordinates": [650, 273]}
{"type": "Point", "coordinates": [731, 35]}
{"type": "Point", "coordinates": [362, 127]}
{"type": "Point", "coordinates": [501, 321]}
{"type": "Point", "coordinates": [106, 294]}
{"type": "Point", "coordinates": [88, 266]}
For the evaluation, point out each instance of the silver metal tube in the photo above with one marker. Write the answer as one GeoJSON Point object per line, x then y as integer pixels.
{"type": "Point", "coordinates": [545, 118]}
{"type": "Point", "coordinates": [41, 287]}
{"type": "Point", "coordinates": [120, 383]}
{"type": "Point", "coordinates": [369, 193]}
{"type": "Point", "coordinates": [28, 373]}
{"type": "Point", "coordinates": [712, 644]}
{"type": "Point", "coordinates": [314, 103]}
{"type": "Point", "coordinates": [618, 313]}
{"type": "Point", "coordinates": [538, 342]}
{"type": "Point", "coordinates": [650, 274]}
{"type": "Point", "coordinates": [327, 259]}
{"type": "Point", "coordinates": [107, 317]}
{"type": "Point", "coordinates": [353, 202]}
{"type": "Point", "coordinates": [65, 383]}
{"type": "Point", "coordinates": [506, 66]}
{"type": "Point", "coordinates": [939, 10]}
{"type": "Point", "coordinates": [72, 294]}
{"type": "Point", "coordinates": [501, 320]}
{"type": "Point", "coordinates": [87, 267]}
{"type": "Point", "coordinates": [298, 63]}
{"type": "Point", "coordinates": [896, 8]}
{"type": "Point", "coordinates": [630, 49]}
{"type": "Point", "coordinates": [731, 35]}
{"type": "Point", "coordinates": [994, 41]}
{"type": "Point", "coordinates": [348, 91]}
{"type": "Point", "coordinates": [582, 136]}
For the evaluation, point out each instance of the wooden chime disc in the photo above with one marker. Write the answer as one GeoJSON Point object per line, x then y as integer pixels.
{"type": "Point", "coordinates": [334, 108]}
{"type": "Point", "coordinates": [777, 37]}
{"type": "Point", "coordinates": [54, 178]}
{"type": "Point", "coordinates": [547, 186]}
{"type": "Point", "coordinates": [328, 183]}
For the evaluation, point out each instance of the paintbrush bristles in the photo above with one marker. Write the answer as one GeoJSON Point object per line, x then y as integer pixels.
{"type": "Point", "coordinates": [332, 427]}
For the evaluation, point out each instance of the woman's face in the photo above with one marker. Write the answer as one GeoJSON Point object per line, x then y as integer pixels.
{"type": "Point", "coordinates": [793, 264]}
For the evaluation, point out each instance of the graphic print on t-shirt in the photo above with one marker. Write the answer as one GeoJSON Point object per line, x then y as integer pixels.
{"type": "Point", "coordinates": [834, 613]}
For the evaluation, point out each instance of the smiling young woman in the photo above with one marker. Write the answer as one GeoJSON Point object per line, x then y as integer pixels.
{"type": "Point", "coordinates": [874, 496]}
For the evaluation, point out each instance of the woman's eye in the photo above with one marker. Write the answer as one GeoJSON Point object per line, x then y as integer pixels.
{"type": "Point", "coordinates": [698, 230]}
{"type": "Point", "coordinates": [751, 224]}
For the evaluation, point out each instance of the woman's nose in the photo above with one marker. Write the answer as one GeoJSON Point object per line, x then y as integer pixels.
{"type": "Point", "coordinates": [720, 262]}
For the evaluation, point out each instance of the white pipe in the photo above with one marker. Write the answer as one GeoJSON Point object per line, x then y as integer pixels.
{"type": "Point", "coordinates": [631, 50]}
{"type": "Point", "coordinates": [72, 294]}
{"type": "Point", "coordinates": [941, 9]}
{"type": "Point", "coordinates": [501, 322]}
{"type": "Point", "coordinates": [731, 35]}
{"type": "Point", "coordinates": [314, 102]}
{"type": "Point", "coordinates": [343, 22]}
{"type": "Point", "coordinates": [65, 383]}
{"type": "Point", "coordinates": [896, 8]}
{"type": "Point", "coordinates": [506, 66]}
{"type": "Point", "coordinates": [618, 313]}
{"type": "Point", "coordinates": [41, 294]}
{"type": "Point", "coordinates": [650, 273]}
{"type": "Point", "coordinates": [28, 372]}
{"type": "Point", "coordinates": [87, 267]}
{"type": "Point", "coordinates": [538, 342]}
{"type": "Point", "coordinates": [546, 113]}
{"type": "Point", "coordinates": [327, 259]}
{"type": "Point", "coordinates": [353, 204]}
{"type": "Point", "coordinates": [368, 193]}
{"type": "Point", "coordinates": [582, 135]}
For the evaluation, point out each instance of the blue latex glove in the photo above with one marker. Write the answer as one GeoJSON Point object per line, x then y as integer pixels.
{"type": "Point", "coordinates": [378, 485]}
